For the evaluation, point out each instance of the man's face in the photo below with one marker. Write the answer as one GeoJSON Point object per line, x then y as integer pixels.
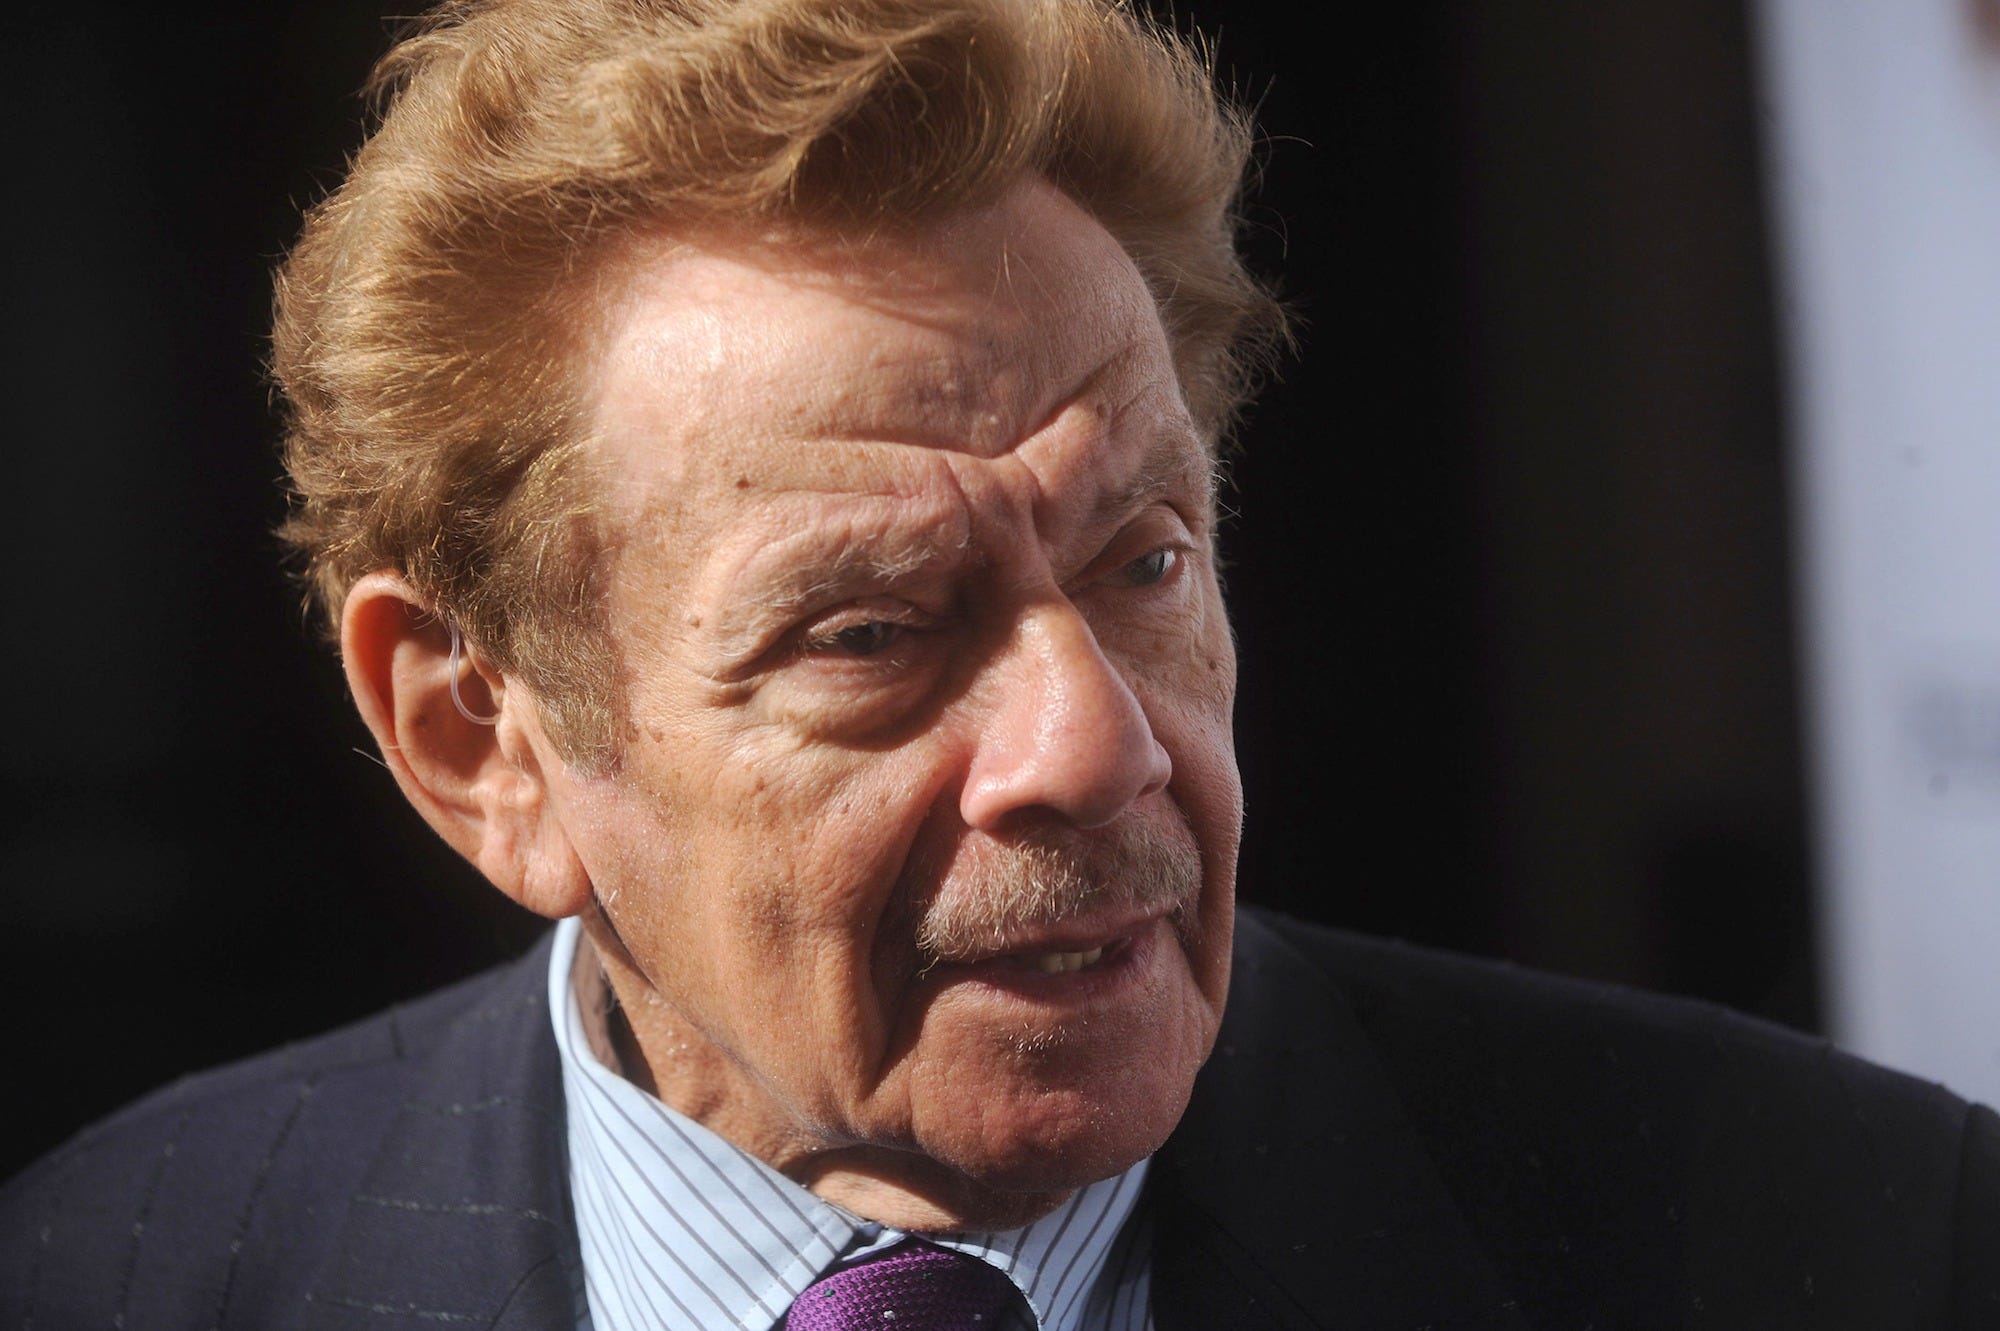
{"type": "Point", "coordinates": [919, 865]}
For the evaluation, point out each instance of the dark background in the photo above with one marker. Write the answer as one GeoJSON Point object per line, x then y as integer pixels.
{"type": "Point", "coordinates": [1510, 572]}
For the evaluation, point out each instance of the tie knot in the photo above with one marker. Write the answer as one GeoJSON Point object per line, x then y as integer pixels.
{"type": "Point", "coordinates": [912, 1287]}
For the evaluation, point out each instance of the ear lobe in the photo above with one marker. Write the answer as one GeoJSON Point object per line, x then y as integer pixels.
{"type": "Point", "coordinates": [480, 786]}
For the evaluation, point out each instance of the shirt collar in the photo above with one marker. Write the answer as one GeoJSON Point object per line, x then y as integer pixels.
{"type": "Point", "coordinates": [678, 1226]}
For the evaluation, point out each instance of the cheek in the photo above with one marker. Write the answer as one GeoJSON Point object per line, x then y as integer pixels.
{"type": "Point", "coordinates": [1192, 716]}
{"type": "Point", "coordinates": [1189, 689]}
{"type": "Point", "coordinates": [780, 847]}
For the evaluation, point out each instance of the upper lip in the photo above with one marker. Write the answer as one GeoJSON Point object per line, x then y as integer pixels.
{"type": "Point", "coordinates": [1094, 929]}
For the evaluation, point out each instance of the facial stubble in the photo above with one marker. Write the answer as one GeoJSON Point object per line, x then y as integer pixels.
{"type": "Point", "coordinates": [1043, 879]}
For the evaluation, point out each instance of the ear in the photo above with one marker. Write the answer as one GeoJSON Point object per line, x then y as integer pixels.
{"type": "Point", "coordinates": [483, 788]}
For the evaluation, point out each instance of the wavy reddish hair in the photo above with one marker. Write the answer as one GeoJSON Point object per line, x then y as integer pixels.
{"type": "Point", "coordinates": [433, 316]}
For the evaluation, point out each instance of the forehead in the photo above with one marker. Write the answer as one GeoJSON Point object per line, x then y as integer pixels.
{"type": "Point", "coordinates": [788, 372]}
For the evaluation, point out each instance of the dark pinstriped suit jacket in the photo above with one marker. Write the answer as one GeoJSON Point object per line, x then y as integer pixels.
{"type": "Point", "coordinates": [1386, 1138]}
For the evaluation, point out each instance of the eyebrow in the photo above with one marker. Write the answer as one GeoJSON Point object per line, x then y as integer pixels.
{"type": "Point", "coordinates": [818, 567]}
{"type": "Point", "coordinates": [1173, 459]}
{"type": "Point", "coordinates": [852, 564]}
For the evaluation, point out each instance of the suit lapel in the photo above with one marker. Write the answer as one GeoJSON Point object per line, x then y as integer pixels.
{"type": "Point", "coordinates": [1295, 1193]}
{"type": "Point", "coordinates": [464, 1216]}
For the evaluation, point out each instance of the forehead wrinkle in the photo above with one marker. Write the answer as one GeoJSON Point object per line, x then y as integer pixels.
{"type": "Point", "coordinates": [850, 567]}
{"type": "Point", "coordinates": [1085, 393]}
{"type": "Point", "coordinates": [978, 378]}
{"type": "Point", "coordinates": [785, 468]}
{"type": "Point", "coordinates": [1174, 459]}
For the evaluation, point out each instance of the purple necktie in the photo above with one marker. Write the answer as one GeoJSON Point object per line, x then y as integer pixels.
{"type": "Point", "coordinates": [915, 1287]}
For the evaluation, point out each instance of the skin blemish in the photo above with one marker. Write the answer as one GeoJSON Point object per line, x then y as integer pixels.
{"type": "Point", "coordinates": [743, 482]}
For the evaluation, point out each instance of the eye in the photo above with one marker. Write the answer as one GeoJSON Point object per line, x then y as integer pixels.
{"type": "Point", "coordinates": [1149, 568]}
{"type": "Point", "coordinates": [862, 639]}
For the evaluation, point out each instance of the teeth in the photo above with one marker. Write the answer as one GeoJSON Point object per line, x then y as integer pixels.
{"type": "Point", "coordinates": [1059, 963]}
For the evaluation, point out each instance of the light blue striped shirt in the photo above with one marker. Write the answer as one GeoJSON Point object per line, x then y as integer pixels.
{"type": "Point", "coordinates": [680, 1228]}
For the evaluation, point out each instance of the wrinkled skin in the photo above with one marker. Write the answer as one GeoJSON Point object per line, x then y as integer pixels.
{"type": "Point", "coordinates": [913, 581]}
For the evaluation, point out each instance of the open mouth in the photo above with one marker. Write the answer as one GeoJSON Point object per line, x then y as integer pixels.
{"type": "Point", "coordinates": [1101, 954]}
{"type": "Point", "coordinates": [1091, 951]}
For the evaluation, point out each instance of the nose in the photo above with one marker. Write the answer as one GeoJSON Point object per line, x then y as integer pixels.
{"type": "Point", "coordinates": [1061, 733]}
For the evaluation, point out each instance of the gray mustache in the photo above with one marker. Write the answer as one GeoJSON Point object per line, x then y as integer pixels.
{"type": "Point", "coordinates": [1043, 880]}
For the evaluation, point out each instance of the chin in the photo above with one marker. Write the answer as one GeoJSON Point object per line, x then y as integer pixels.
{"type": "Point", "coordinates": [1066, 1115]}
{"type": "Point", "coordinates": [1086, 1146]}
{"type": "Point", "coordinates": [1005, 1180]}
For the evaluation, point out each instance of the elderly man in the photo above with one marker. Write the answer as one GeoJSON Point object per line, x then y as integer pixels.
{"type": "Point", "coordinates": [759, 458]}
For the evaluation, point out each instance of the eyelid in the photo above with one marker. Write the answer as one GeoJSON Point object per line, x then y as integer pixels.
{"type": "Point", "coordinates": [1160, 526]}
{"type": "Point", "coordinates": [815, 636]}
